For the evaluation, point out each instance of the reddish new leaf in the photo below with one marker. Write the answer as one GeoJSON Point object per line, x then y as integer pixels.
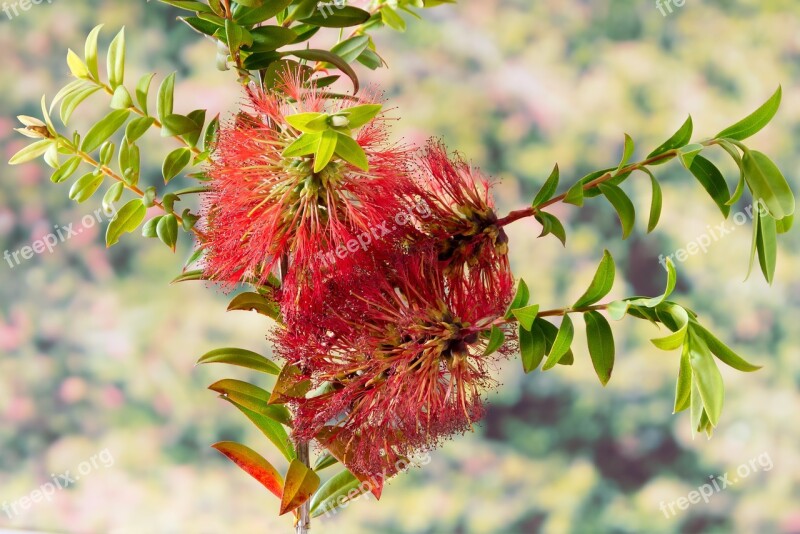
{"type": "Point", "coordinates": [253, 464]}
{"type": "Point", "coordinates": [301, 483]}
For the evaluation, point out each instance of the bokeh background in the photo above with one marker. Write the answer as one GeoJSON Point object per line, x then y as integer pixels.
{"type": "Point", "coordinates": [97, 350]}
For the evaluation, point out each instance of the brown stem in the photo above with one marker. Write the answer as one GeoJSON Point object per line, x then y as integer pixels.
{"type": "Point", "coordinates": [528, 212]}
{"type": "Point", "coordinates": [558, 312]}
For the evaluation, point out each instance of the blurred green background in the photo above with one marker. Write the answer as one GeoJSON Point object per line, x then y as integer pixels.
{"type": "Point", "coordinates": [97, 350]}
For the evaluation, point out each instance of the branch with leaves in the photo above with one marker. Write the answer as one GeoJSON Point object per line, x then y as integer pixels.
{"type": "Point", "coordinates": [418, 319]}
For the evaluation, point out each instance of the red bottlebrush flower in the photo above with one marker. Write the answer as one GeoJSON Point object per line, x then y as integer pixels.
{"type": "Point", "coordinates": [265, 206]}
{"type": "Point", "coordinates": [463, 222]}
{"type": "Point", "coordinates": [401, 359]}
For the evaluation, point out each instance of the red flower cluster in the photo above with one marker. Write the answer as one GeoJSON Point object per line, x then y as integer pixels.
{"type": "Point", "coordinates": [393, 334]}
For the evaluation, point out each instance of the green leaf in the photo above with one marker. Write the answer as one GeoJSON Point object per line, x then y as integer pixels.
{"type": "Point", "coordinates": [754, 240]}
{"type": "Point", "coordinates": [253, 464]}
{"type": "Point", "coordinates": [526, 315]}
{"type": "Point", "coordinates": [104, 129]}
{"type": "Point", "coordinates": [142, 90]}
{"type": "Point", "coordinates": [76, 66]}
{"type": "Point", "coordinates": [496, 340]}
{"type": "Point", "coordinates": [601, 284]}
{"type": "Point", "coordinates": [242, 358]}
{"type": "Point", "coordinates": [767, 246]}
{"type": "Point", "coordinates": [618, 309]}
{"type": "Point", "coordinates": [211, 134]}
{"type": "Point", "coordinates": [325, 461]}
{"type": "Point", "coordinates": [723, 352]}
{"type": "Point", "coordinates": [328, 57]}
{"type": "Point", "coordinates": [627, 152]}
{"type": "Point", "coordinates": [72, 87]}
{"type": "Point", "coordinates": [116, 60]}
{"type": "Point", "coordinates": [622, 204]}
{"type": "Point", "coordinates": [253, 398]}
{"type": "Point", "coordinates": [31, 152]}
{"type": "Point", "coordinates": [167, 230]}
{"type": "Point", "coordinates": [679, 139]}
{"type": "Point", "coordinates": [301, 483]}
{"type": "Point", "coordinates": [351, 48]}
{"type": "Point", "coordinates": [683, 387]}
{"type": "Point", "coordinates": [85, 187]}
{"type": "Point", "coordinates": [137, 128]}
{"type": "Point", "coordinates": [341, 17]}
{"type": "Point", "coordinates": [66, 170]}
{"type": "Point", "coordinates": [532, 346]}
{"type": "Point", "coordinates": [707, 377]}
{"type": "Point", "coordinates": [127, 219]}
{"type": "Point", "coordinates": [150, 228]}
{"type": "Point", "coordinates": [754, 122]}
{"type": "Point", "coordinates": [257, 15]}
{"type": "Point", "coordinates": [676, 339]}
{"type": "Point", "coordinates": [601, 345]}
{"type": "Point", "coordinates": [175, 162]}
{"type": "Point", "coordinates": [548, 189]}
{"type": "Point", "coordinates": [272, 429]}
{"type": "Point", "coordinates": [713, 182]}
{"type": "Point", "coordinates": [551, 225]}
{"type": "Point", "coordinates": [271, 38]}
{"type": "Point", "coordinates": [73, 100]}
{"type": "Point", "coordinates": [561, 344]}
{"type": "Point", "coordinates": [370, 59]}
{"type": "Point", "coordinates": [113, 195]}
{"type": "Point", "coordinates": [179, 125]}
{"type": "Point", "coordinates": [333, 492]}
{"type": "Point", "coordinates": [785, 224]}
{"type": "Point", "coordinates": [308, 122]}
{"type": "Point", "coordinates": [392, 19]}
{"type": "Point", "coordinates": [656, 203]}
{"type": "Point", "coordinates": [326, 148]}
{"type": "Point", "coordinates": [234, 34]}
{"type": "Point", "coordinates": [166, 96]}
{"type": "Point", "coordinates": [688, 153]}
{"type": "Point", "coordinates": [350, 151]}
{"type": "Point", "coordinates": [768, 184]}
{"type": "Point", "coordinates": [521, 298]}
{"type": "Point", "coordinates": [358, 116]}
{"type": "Point", "coordinates": [255, 302]}
{"type": "Point", "coordinates": [574, 195]}
{"type": "Point", "coordinates": [304, 145]}
{"type": "Point", "coordinates": [672, 280]}
{"type": "Point", "coordinates": [90, 49]}
{"type": "Point", "coordinates": [121, 98]}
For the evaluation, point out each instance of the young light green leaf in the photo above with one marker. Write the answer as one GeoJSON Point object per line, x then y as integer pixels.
{"type": "Point", "coordinates": [618, 309]}
{"type": "Point", "coordinates": [121, 98]}
{"type": "Point", "coordinates": [627, 152]}
{"type": "Point", "coordinates": [358, 116]}
{"type": "Point", "coordinates": [754, 122]}
{"type": "Point", "coordinates": [688, 153]}
{"type": "Point", "coordinates": [656, 203]}
{"type": "Point", "coordinates": [561, 344]}
{"type": "Point", "coordinates": [31, 152]}
{"type": "Point", "coordinates": [242, 358]}
{"type": "Point", "coordinates": [76, 66]}
{"type": "Point", "coordinates": [166, 97]}
{"type": "Point", "coordinates": [150, 228]}
{"type": "Point", "coordinates": [326, 148]}
{"type": "Point", "coordinates": [104, 129]}
{"type": "Point", "coordinates": [167, 230]}
{"type": "Point", "coordinates": [351, 48]}
{"type": "Point", "coordinates": [111, 197]}
{"type": "Point", "coordinates": [548, 189]}
{"type": "Point", "coordinates": [622, 204]}
{"type": "Point", "coordinates": [712, 181]}
{"type": "Point", "coordinates": [679, 139]}
{"type": "Point", "coordinates": [601, 284]}
{"type": "Point", "coordinates": [137, 128]}
{"type": "Point", "coordinates": [707, 377]}
{"type": "Point", "coordinates": [600, 339]}
{"type": "Point", "coordinates": [85, 187]}
{"type": "Point", "coordinates": [768, 184]}
{"type": "Point", "coordinates": [785, 224]}
{"type": "Point", "coordinates": [175, 162]}
{"type": "Point", "coordinates": [350, 151]}
{"type": "Point", "coordinates": [142, 90]}
{"type": "Point", "coordinates": [116, 60]}
{"type": "Point", "coordinates": [672, 280]}
{"type": "Point", "coordinates": [66, 170]}
{"type": "Point", "coordinates": [521, 298]}
{"type": "Point", "coordinates": [683, 386]}
{"type": "Point", "coordinates": [551, 225]}
{"type": "Point", "coordinates": [526, 315]}
{"type": "Point", "coordinates": [304, 145]}
{"type": "Point", "coordinates": [73, 100]}
{"type": "Point", "coordinates": [127, 219]}
{"type": "Point", "coordinates": [681, 318]}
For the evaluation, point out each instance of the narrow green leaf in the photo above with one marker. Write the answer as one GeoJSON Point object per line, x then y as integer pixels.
{"type": "Point", "coordinates": [310, 122]}
{"type": "Point", "coordinates": [707, 377]}
{"type": "Point", "coordinates": [679, 139]}
{"type": "Point", "coordinates": [725, 354]}
{"type": "Point", "coordinates": [526, 315]}
{"type": "Point", "coordinates": [112, 196]}
{"type": "Point", "coordinates": [85, 187]}
{"type": "Point", "coordinates": [116, 60]}
{"type": "Point", "coordinates": [767, 247]}
{"type": "Point", "coordinates": [73, 100]}
{"type": "Point", "coordinates": [754, 122]}
{"type": "Point", "coordinates": [142, 90]}
{"type": "Point", "coordinates": [241, 358]}
{"type": "Point", "coordinates": [304, 145]}
{"type": "Point", "coordinates": [622, 204]}
{"type": "Point", "coordinates": [656, 202]}
{"type": "Point", "coordinates": [551, 225]}
{"type": "Point", "coordinates": [561, 344]}
{"type": "Point", "coordinates": [76, 65]}
{"type": "Point", "coordinates": [326, 148]}
{"type": "Point", "coordinates": [688, 153]}
{"type": "Point", "coordinates": [340, 17]}
{"type": "Point", "coordinates": [167, 230]}
{"type": "Point", "coordinates": [175, 162]}
{"type": "Point", "coordinates": [127, 219]}
{"type": "Point", "coordinates": [255, 302]}
{"type": "Point", "coordinates": [90, 49]}
{"type": "Point", "coordinates": [30, 152]}
{"type": "Point", "coordinates": [333, 492]}
{"type": "Point", "coordinates": [683, 387]}
{"type": "Point", "coordinates": [66, 170]}
{"type": "Point", "coordinates": [328, 57]}
{"type": "Point", "coordinates": [137, 128]}
{"type": "Point", "coordinates": [574, 195]}
{"type": "Point", "coordinates": [671, 342]}
{"type": "Point", "coordinates": [104, 129]}
{"type": "Point", "coordinates": [532, 346]}
{"type": "Point", "coordinates": [392, 19]}
{"type": "Point", "coordinates": [166, 97]}
{"type": "Point", "coordinates": [600, 339]}
{"type": "Point", "coordinates": [253, 464]}
{"type": "Point", "coordinates": [358, 116]}
{"type": "Point", "coordinates": [601, 284]}
{"type": "Point", "coordinates": [496, 340]}
{"type": "Point", "coordinates": [351, 48]}
{"type": "Point", "coordinates": [349, 150]}
{"type": "Point", "coordinates": [257, 15]}
{"type": "Point", "coordinates": [548, 189]}
{"type": "Point", "coordinates": [627, 152]}
{"type": "Point", "coordinates": [768, 184]}
{"type": "Point", "coordinates": [521, 298]}
{"type": "Point", "coordinates": [253, 398]}
{"type": "Point", "coordinates": [713, 182]}
{"type": "Point", "coordinates": [672, 280]}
